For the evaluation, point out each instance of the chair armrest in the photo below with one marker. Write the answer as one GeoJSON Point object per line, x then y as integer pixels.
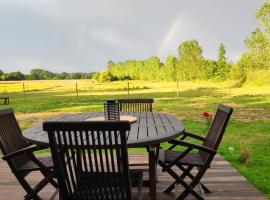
{"type": "Point", "coordinates": [192, 135]}
{"type": "Point", "coordinates": [26, 150]}
{"type": "Point", "coordinates": [194, 146]}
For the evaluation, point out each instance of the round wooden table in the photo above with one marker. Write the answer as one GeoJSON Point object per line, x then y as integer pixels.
{"type": "Point", "coordinates": [148, 131]}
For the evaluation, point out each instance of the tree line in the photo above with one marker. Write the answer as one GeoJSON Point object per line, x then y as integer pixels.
{"type": "Point", "coordinates": [41, 74]}
{"type": "Point", "coordinates": [190, 64]}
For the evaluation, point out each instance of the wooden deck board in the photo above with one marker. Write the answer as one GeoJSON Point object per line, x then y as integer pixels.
{"type": "Point", "coordinates": [223, 180]}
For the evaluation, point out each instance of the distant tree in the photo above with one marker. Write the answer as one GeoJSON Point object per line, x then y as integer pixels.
{"type": "Point", "coordinates": [64, 75]}
{"type": "Point", "coordinates": [223, 70]}
{"type": "Point", "coordinates": [13, 76]}
{"type": "Point", "coordinates": [105, 76]}
{"type": "Point", "coordinates": [209, 69]}
{"type": "Point", "coordinates": [75, 76]}
{"type": "Point", "coordinates": [96, 76]}
{"type": "Point", "coordinates": [190, 59]}
{"type": "Point", "coordinates": [151, 69]}
{"type": "Point", "coordinates": [1, 74]}
{"type": "Point", "coordinates": [40, 74]}
{"type": "Point", "coordinates": [263, 17]}
{"type": "Point", "coordinates": [170, 68]}
{"type": "Point", "coordinates": [87, 75]}
{"type": "Point", "coordinates": [241, 68]}
{"type": "Point", "coordinates": [259, 49]}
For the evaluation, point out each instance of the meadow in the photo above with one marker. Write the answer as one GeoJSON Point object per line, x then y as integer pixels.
{"type": "Point", "coordinates": [248, 131]}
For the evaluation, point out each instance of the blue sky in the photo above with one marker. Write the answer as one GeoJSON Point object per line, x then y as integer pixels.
{"type": "Point", "coordinates": [83, 35]}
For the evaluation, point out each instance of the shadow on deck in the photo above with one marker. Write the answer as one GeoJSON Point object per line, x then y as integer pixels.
{"type": "Point", "coordinates": [222, 179]}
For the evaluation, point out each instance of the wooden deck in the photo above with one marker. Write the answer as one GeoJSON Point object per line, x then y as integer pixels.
{"type": "Point", "coordinates": [224, 181]}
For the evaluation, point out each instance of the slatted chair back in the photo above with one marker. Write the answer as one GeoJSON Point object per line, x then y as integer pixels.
{"type": "Point", "coordinates": [11, 138]}
{"type": "Point", "coordinates": [217, 129]}
{"type": "Point", "coordinates": [90, 159]}
{"type": "Point", "coordinates": [136, 105]}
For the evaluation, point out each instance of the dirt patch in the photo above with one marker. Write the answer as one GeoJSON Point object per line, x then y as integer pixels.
{"type": "Point", "coordinates": [250, 114]}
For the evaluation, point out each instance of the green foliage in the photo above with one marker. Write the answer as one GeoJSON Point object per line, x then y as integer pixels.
{"type": "Point", "coordinates": [13, 76]}
{"type": "Point", "coordinates": [224, 68]}
{"type": "Point", "coordinates": [151, 69]}
{"type": "Point", "coordinates": [41, 74]}
{"type": "Point", "coordinates": [190, 65]}
{"type": "Point", "coordinates": [170, 69]}
{"type": "Point", "coordinates": [263, 17]}
{"type": "Point", "coordinates": [241, 68]}
{"type": "Point", "coordinates": [258, 44]}
{"type": "Point", "coordinates": [190, 60]}
{"type": "Point", "coordinates": [258, 49]}
{"type": "Point", "coordinates": [104, 76]}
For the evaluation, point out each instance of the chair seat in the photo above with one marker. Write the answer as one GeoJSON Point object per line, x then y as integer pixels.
{"type": "Point", "coordinates": [32, 166]}
{"type": "Point", "coordinates": [102, 186]}
{"type": "Point", "coordinates": [193, 159]}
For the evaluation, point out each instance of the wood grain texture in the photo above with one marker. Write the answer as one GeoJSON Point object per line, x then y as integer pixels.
{"type": "Point", "coordinates": [150, 128]}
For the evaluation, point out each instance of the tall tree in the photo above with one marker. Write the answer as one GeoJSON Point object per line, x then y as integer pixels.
{"type": "Point", "coordinates": [170, 68]}
{"type": "Point", "coordinates": [223, 70]}
{"type": "Point", "coordinates": [263, 17]}
{"type": "Point", "coordinates": [258, 45]}
{"type": "Point", "coordinates": [190, 54]}
{"type": "Point", "coordinates": [258, 49]}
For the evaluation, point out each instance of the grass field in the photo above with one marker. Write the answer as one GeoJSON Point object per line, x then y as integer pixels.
{"type": "Point", "coordinates": [248, 131]}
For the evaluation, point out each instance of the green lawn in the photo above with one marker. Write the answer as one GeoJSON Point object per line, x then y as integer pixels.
{"type": "Point", "coordinates": [248, 128]}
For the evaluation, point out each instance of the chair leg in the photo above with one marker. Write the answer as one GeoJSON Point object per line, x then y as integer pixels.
{"type": "Point", "coordinates": [195, 181]}
{"type": "Point", "coordinates": [157, 153]}
{"type": "Point", "coordinates": [170, 188]}
{"type": "Point", "coordinates": [140, 185]}
{"type": "Point", "coordinates": [183, 176]}
{"type": "Point", "coordinates": [39, 187]}
{"type": "Point", "coordinates": [205, 189]}
{"type": "Point", "coordinates": [54, 194]}
{"type": "Point", "coordinates": [27, 188]}
{"type": "Point", "coordinates": [46, 173]}
{"type": "Point", "coordinates": [189, 188]}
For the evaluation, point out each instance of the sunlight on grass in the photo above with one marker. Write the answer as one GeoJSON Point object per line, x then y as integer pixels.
{"type": "Point", "coordinates": [250, 120]}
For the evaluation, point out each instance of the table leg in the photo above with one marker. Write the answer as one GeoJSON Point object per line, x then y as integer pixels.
{"type": "Point", "coordinates": [152, 172]}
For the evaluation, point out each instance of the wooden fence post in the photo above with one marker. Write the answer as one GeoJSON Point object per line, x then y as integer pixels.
{"type": "Point", "coordinates": [128, 90]}
{"type": "Point", "coordinates": [177, 88]}
{"type": "Point", "coordinates": [23, 92]}
{"type": "Point", "coordinates": [77, 92]}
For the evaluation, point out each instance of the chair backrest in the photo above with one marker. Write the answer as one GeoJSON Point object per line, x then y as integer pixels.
{"type": "Point", "coordinates": [217, 128]}
{"type": "Point", "coordinates": [90, 151]}
{"type": "Point", "coordinates": [11, 138]}
{"type": "Point", "coordinates": [136, 105]}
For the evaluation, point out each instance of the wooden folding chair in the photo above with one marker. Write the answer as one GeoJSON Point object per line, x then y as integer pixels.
{"type": "Point", "coordinates": [19, 155]}
{"type": "Point", "coordinates": [136, 105]}
{"type": "Point", "coordinates": [91, 160]}
{"type": "Point", "coordinates": [187, 160]}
